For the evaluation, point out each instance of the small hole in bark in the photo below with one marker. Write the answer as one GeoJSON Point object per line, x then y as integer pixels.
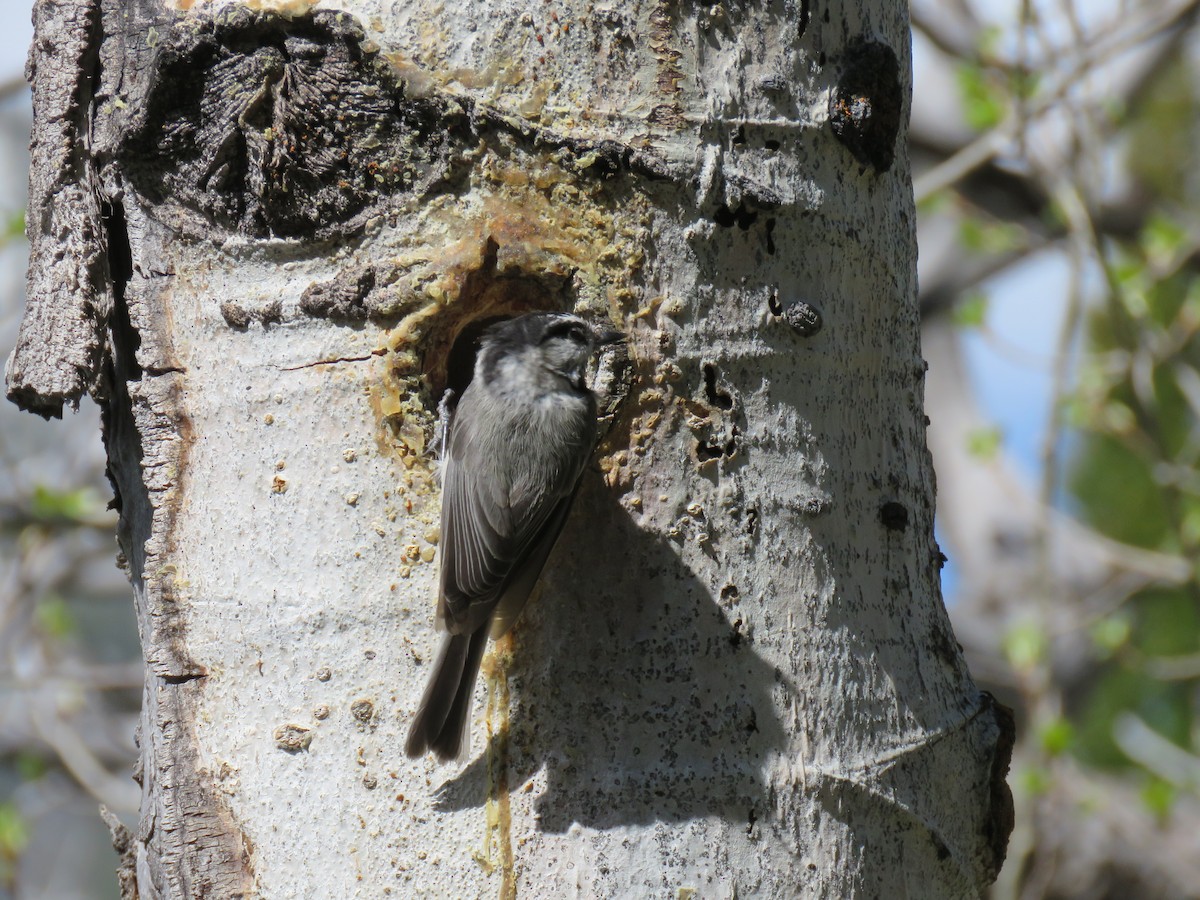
{"type": "Point", "coordinates": [866, 108]}
{"type": "Point", "coordinates": [894, 516]}
{"type": "Point", "coordinates": [940, 848]}
{"type": "Point", "coordinates": [773, 304]}
{"type": "Point", "coordinates": [716, 396]}
{"type": "Point", "coordinates": [742, 217]}
{"type": "Point", "coordinates": [771, 236]}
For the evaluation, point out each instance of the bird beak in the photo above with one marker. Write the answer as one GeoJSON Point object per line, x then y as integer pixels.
{"type": "Point", "coordinates": [604, 335]}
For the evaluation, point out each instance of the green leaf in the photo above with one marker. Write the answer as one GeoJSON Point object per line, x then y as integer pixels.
{"type": "Point", "coordinates": [1035, 780]}
{"type": "Point", "coordinates": [1172, 413]}
{"type": "Point", "coordinates": [1188, 317]}
{"type": "Point", "coordinates": [985, 236]}
{"type": "Point", "coordinates": [1162, 239]}
{"type": "Point", "coordinates": [77, 505]}
{"type": "Point", "coordinates": [1116, 418]}
{"type": "Point", "coordinates": [1025, 645]}
{"type": "Point", "coordinates": [1165, 707]}
{"type": "Point", "coordinates": [14, 226]}
{"type": "Point", "coordinates": [14, 833]}
{"type": "Point", "coordinates": [1111, 633]}
{"type": "Point", "coordinates": [1168, 622]}
{"type": "Point", "coordinates": [1128, 272]}
{"type": "Point", "coordinates": [970, 234]}
{"type": "Point", "coordinates": [1053, 216]}
{"type": "Point", "coordinates": [1057, 736]}
{"type": "Point", "coordinates": [1077, 409]}
{"type": "Point", "coordinates": [31, 766]}
{"type": "Point", "coordinates": [1189, 527]}
{"type": "Point", "coordinates": [54, 617]}
{"type": "Point", "coordinates": [1159, 796]}
{"type": "Point", "coordinates": [1135, 301]}
{"type": "Point", "coordinates": [1160, 151]}
{"type": "Point", "coordinates": [1118, 493]}
{"type": "Point", "coordinates": [989, 40]}
{"type": "Point", "coordinates": [935, 203]}
{"type": "Point", "coordinates": [1165, 298]}
{"type": "Point", "coordinates": [971, 310]}
{"type": "Point", "coordinates": [984, 443]}
{"type": "Point", "coordinates": [983, 100]}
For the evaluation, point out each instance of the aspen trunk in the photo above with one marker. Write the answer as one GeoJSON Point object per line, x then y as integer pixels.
{"type": "Point", "coordinates": [265, 240]}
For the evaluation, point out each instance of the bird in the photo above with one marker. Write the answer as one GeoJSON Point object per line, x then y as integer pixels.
{"type": "Point", "coordinates": [518, 444]}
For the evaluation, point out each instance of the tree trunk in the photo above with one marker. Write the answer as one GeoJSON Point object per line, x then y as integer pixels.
{"type": "Point", "coordinates": [266, 240]}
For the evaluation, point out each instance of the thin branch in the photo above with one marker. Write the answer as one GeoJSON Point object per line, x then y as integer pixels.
{"type": "Point", "coordinates": [1080, 226]}
{"type": "Point", "coordinates": [1172, 668]}
{"type": "Point", "coordinates": [1152, 751]}
{"type": "Point", "coordinates": [79, 760]}
{"type": "Point", "coordinates": [988, 145]}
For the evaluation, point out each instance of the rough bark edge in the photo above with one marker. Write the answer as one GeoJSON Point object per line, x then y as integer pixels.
{"type": "Point", "coordinates": [188, 843]}
{"type": "Point", "coordinates": [122, 842]}
{"type": "Point", "coordinates": [1000, 818]}
{"type": "Point", "coordinates": [60, 347]}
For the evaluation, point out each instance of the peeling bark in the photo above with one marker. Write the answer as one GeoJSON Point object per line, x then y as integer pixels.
{"type": "Point", "coordinates": [61, 344]}
{"type": "Point", "coordinates": [739, 678]}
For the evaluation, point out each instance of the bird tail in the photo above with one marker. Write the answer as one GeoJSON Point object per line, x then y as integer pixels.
{"type": "Point", "coordinates": [442, 722]}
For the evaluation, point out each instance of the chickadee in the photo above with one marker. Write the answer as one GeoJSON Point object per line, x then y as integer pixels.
{"type": "Point", "coordinates": [521, 436]}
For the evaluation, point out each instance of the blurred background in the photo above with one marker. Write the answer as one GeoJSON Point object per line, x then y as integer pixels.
{"type": "Point", "coordinates": [1054, 147]}
{"type": "Point", "coordinates": [70, 665]}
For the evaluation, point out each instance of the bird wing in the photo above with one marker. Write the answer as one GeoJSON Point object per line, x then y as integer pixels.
{"type": "Point", "coordinates": [493, 545]}
{"type": "Point", "coordinates": [525, 574]}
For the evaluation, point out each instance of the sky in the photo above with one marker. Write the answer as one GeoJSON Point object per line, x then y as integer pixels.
{"type": "Point", "coordinates": [16, 31]}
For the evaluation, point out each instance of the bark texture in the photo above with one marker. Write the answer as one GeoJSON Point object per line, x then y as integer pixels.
{"type": "Point", "coordinates": [739, 678]}
{"type": "Point", "coordinates": [61, 342]}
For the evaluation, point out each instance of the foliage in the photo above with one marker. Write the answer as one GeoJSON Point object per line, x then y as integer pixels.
{"type": "Point", "coordinates": [1134, 478]}
{"type": "Point", "coordinates": [1079, 128]}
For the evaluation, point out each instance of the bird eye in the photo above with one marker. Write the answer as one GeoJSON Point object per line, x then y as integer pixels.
{"type": "Point", "coordinates": [572, 331]}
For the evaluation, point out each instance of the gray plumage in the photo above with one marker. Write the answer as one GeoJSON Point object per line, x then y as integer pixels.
{"type": "Point", "coordinates": [521, 436]}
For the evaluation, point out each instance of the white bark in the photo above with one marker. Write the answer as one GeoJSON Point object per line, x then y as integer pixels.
{"type": "Point", "coordinates": [739, 678]}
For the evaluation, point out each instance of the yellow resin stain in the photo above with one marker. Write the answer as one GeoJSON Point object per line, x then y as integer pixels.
{"type": "Point", "coordinates": [497, 851]}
